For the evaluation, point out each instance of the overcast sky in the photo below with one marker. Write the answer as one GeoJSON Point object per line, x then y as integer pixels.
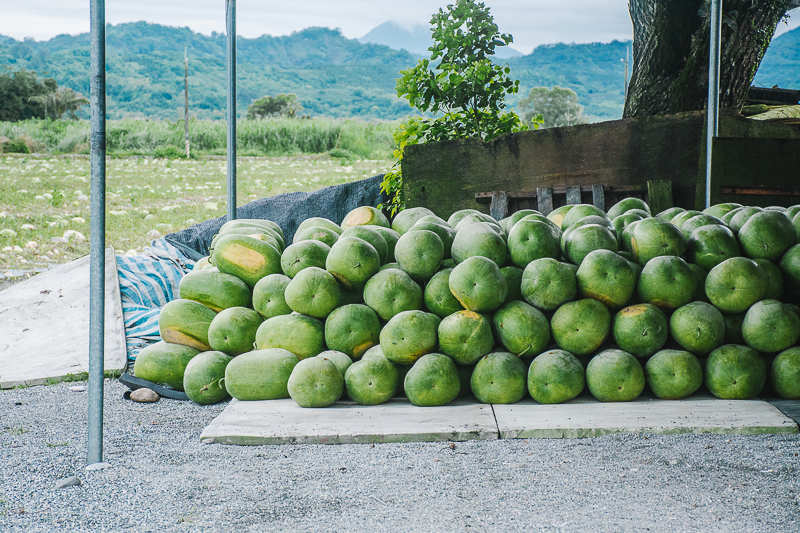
{"type": "Point", "coordinates": [531, 22]}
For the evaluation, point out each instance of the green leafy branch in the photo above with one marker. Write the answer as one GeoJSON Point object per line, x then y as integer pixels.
{"type": "Point", "coordinates": [465, 91]}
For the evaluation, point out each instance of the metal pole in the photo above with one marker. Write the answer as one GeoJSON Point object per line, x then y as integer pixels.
{"type": "Point", "coordinates": [712, 111]}
{"type": "Point", "coordinates": [186, 94]}
{"type": "Point", "coordinates": [627, 62]}
{"type": "Point", "coordinates": [230, 19]}
{"type": "Point", "coordinates": [97, 243]}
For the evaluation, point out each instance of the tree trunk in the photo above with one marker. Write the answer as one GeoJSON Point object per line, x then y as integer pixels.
{"type": "Point", "coordinates": [670, 53]}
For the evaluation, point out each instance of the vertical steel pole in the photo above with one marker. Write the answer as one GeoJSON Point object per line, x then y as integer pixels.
{"type": "Point", "coordinates": [230, 19]}
{"type": "Point", "coordinates": [97, 268]}
{"type": "Point", "coordinates": [712, 111]}
{"type": "Point", "coordinates": [186, 95]}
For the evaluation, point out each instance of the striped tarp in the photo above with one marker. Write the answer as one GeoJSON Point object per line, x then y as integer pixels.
{"type": "Point", "coordinates": [148, 281]}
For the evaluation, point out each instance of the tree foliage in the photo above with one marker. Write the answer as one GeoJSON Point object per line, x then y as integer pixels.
{"type": "Point", "coordinates": [554, 107]}
{"type": "Point", "coordinates": [62, 101]}
{"type": "Point", "coordinates": [280, 105]}
{"type": "Point", "coordinates": [459, 85]}
{"type": "Point", "coordinates": [18, 91]}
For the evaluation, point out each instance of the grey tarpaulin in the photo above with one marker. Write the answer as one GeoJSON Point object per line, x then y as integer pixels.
{"type": "Point", "coordinates": [288, 211]}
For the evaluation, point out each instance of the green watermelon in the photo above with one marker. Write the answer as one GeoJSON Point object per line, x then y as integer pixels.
{"type": "Point", "coordinates": [432, 381]}
{"type": "Point", "coordinates": [260, 374]}
{"type": "Point", "coordinates": [164, 363]}
{"type": "Point", "coordinates": [315, 382]}
{"type": "Point", "coordinates": [478, 284]}
{"type": "Point", "coordinates": [521, 328]}
{"type": "Point", "coordinates": [580, 327]}
{"type": "Point", "coordinates": [556, 376]}
{"type": "Point", "coordinates": [233, 330]}
{"type": "Point", "coordinates": [304, 254]}
{"type": "Point", "coordinates": [499, 378]}
{"type": "Point", "coordinates": [203, 379]}
{"type": "Point", "coordinates": [615, 376]}
{"type": "Point", "coordinates": [640, 330]}
{"type": "Point", "coordinates": [465, 336]}
{"type": "Point", "coordinates": [673, 374]}
{"type": "Point", "coordinates": [392, 291]}
{"type": "Point", "coordinates": [352, 329]}
{"type": "Point", "coordinates": [735, 372]}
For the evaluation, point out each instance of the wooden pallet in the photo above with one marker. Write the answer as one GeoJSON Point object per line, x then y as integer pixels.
{"type": "Point", "coordinates": [657, 193]}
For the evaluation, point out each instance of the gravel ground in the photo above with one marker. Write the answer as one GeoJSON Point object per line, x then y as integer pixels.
{"type": "Point", "coordinates": [162, 479]}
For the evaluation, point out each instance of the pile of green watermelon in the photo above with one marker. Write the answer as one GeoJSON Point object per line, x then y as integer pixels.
{"type": "Point", "coordinates": [437, 309]}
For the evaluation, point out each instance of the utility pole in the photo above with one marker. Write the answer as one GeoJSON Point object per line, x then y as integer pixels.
{"type": "Point", "coordinates": [97, 241]}
{"type": "Point", "coordinates": [712, 110]}
{"type": "Point", "coordinates": [186, 94]}
{"type": "Point", "coordinates": [230, 25]}
{"type": "Point", "coordinates": [626, 60]}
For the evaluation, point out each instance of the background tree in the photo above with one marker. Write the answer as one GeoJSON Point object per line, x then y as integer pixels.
{"type": "Point", "coordinates": [671, 50]}
{"type": "Point", "coordinates": [280, 105]}
{"type": "Point", "coordinates": [63, 101]}
{"type": "Point", "coordinates": [554, 107]}
{"type": "Point", "coordinates": [16, 92]}
{"type": "Point", "coordinates": [459, 85]}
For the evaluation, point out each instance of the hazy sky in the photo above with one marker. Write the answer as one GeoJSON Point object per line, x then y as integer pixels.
{"type": "Point", "coordinates": [531, 22]}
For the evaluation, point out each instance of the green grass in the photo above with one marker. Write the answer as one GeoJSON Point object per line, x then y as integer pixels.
{"type": "Point", "coordinates": [42, 197]}
{"type": "Point", "coordinates": [270, 137]}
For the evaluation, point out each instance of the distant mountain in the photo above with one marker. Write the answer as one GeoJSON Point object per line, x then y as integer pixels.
{"type": "Point", "coordinates": [594, 71]}
{"type": "Point", "coordinates": [781, 63]}
{"type": "Point", "coordinates": [333, 76]}
{"type": "Point", "coordinates": [416, 39]}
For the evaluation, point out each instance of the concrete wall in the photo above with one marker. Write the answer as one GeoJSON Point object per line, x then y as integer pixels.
{"type": "Point", "coordinates": [445, 176]}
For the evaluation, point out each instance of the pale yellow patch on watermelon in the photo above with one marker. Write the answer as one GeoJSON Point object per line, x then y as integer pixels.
{"type": "Point", "coordinates": [359, 217]}
{"type": "Point", "coordinates": [359, 350]}
{"type": "Point", "coordinates": [558, 219]}
{"type": "Point", "coordinates": [634, 310]}
{"type": "Point", "coordinates": [244, 257]}
{"type": "Point", "coordinates": [178, 337]}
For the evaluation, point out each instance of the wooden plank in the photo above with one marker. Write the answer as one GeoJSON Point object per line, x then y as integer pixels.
{"type": "Point", "coordinates": [499, 206]}
{"type": "Point", "coordinates": [598, 197]}
{"type": "Point", "coordinates": [445, 176]}
{"type": "Point", "coordinates": [545, 197]}
{"type": "Point", "coordinates": [762, 191]}
{"type": "Point", "coordinates": [660, 193]}
{"type": "Point", "coordinates": [573, 195]}
{"type": "Point", "coordinates": [762, 172]}
{"type": "Point", "coordinates": [486, 197]}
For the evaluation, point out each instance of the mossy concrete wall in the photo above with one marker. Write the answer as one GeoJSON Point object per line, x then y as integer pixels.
{"type": "Point", "coordinates": [445, 176]}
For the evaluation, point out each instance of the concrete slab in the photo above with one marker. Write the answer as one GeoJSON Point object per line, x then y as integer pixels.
{"type": "Point", "coordinates": [584, 417]}
{"type": "Point", "coordinates": [284, 422]}
{"type": "Point", "coordinates": [790, 408]}
{"type": "Point", "coordinates": [44, 325]}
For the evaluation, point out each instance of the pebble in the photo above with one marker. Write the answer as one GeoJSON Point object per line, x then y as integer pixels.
{"type": "Point", "coordinates": [97, 466]}
{"type": "Point", "coordinates": [71, 481]}
{"type": "Point", "coordinates": [145, 395]}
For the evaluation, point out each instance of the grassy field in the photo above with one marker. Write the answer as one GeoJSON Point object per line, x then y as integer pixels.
{"type": "Point", "coordinates": [44, 204]}
{"type": "Point", "coordinates": [262, 137]}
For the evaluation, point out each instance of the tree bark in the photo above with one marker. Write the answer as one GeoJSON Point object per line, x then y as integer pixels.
{"type": "Point", "coordinates": [671, 51]}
